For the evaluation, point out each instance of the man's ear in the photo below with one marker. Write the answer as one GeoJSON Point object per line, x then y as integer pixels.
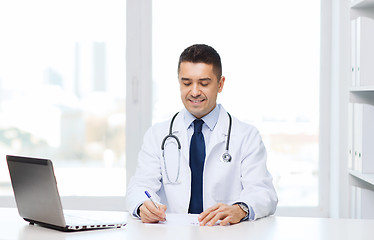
{"type": "Point", "coordinates": [221, 83]}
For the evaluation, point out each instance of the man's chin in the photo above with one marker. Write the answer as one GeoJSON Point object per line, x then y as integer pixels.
{"type": "Point", "coordinates": [196, 112]}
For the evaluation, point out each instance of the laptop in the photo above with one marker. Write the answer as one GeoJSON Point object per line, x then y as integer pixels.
{"type": "Point", "coordinates": [38, 200]}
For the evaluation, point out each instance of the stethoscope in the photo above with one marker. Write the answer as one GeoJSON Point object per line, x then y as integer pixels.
{"type": "Point", "coordinates": [226, 156]}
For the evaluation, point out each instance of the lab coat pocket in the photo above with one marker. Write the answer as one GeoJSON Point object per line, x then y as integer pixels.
{"type": "Point", "coordinates": [227, 195]}
{"type": "Point", "coordinates": [226, 188]}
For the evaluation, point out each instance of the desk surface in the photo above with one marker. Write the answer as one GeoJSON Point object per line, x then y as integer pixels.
{"type": "Point", "coordinates": [13, 227]}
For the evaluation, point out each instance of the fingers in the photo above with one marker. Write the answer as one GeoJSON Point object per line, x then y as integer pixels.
{"type": "Point", "coordinates": [218, 216]}
{"type": "Point", "coordinates": [204, 216]}
{"type": "Point", "coordinates": [211, 215]}
{"type": "Point", "coordinates": [226, 213]}
{"type": "Point", "coordinates": [162, 208]}
{"type": "Point", "coordinates": [150, 214]}
{"type": "Point", "coordinates": [225, 221]}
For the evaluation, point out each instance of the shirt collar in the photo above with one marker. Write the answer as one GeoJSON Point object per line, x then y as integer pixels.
{"type": "Point", "coordinates": [210, 119]}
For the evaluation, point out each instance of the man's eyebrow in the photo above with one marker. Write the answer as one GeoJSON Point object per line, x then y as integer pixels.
{"type": "Point", "coordinates": [200, 79]}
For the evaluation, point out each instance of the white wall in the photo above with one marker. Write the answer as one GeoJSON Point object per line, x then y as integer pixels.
{"type": "Point", "coordinates": [338, 74]}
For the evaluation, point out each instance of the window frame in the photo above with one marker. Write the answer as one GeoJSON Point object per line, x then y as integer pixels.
{"type": "Point", "coordinates": [138, 103]}
{"type": "Point", "coordinates": [325, 141]}
{"type": "Point", "coordinates": [139, 109]}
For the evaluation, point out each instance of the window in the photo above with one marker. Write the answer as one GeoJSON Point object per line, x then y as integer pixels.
{"type": "Point", "coordinates": [270, 56]}
{"type": "Point", "coordinates": [62, 91]}
{"type": "Point", "coordinates": [63, 70]}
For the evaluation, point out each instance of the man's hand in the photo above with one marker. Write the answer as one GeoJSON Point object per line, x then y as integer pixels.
{"type": "Point", "coordinates": [150, 214]}
{"type": "Point", "coordinates": [227, 213]}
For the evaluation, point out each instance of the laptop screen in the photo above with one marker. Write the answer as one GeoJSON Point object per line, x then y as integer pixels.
{"type": "Point", "coordinates": [35, 190]}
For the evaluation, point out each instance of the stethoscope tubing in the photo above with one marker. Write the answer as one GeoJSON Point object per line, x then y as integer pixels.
{"type": "Point", "coordinates": [226, 157]}
{"type": "Point", "coordinates": [177, 139]}
{"type": "Point", "coordinates": [171, 134]}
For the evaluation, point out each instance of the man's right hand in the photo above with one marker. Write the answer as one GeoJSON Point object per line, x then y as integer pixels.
{"type": "Point", "coordinates": [150, 214]}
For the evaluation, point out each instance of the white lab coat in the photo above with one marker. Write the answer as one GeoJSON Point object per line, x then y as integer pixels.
{"type": "Point", "coordinates": [244, 179]}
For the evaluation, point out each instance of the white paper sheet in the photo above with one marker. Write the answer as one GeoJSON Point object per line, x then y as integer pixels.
{"type": "Point", "coordinates": [182, 219]}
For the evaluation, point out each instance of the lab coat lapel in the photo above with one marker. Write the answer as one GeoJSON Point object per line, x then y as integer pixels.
{"type": "Point", "coordinates": [219, 133]}
{"type": "Point", "coordinates": [180, 130]}
{"type": "Point", "coordinates": [218, 136]}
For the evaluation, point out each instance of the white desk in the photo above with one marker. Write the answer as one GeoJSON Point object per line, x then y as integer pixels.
{"type": "Point", "coordinates": [13, 227]}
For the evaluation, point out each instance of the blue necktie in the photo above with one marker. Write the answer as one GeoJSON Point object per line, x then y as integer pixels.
{"type": "Point", "coordinates": [197, 158]}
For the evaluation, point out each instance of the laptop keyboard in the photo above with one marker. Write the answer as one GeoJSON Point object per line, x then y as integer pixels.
{"type": "Point", "coordinates": [76, 219]}
{"type": "Point", "coordinates": [80, 221]}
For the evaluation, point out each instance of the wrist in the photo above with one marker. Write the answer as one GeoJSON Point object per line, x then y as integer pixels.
{"type": "Point", "coordinates": [244, 210]}
{"type": "Point", "coordinates": [241, 212]}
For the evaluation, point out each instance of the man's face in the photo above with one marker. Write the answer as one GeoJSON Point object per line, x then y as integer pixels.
{"type": "Point", "coordinates": [199, 87]}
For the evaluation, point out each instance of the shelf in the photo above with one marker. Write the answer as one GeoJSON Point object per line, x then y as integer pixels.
{"type": "Point", "coordinates": [362, 95]}
{"type": "Point", "coordinates": [360, 108]}
{"type": "Point", "coordinates": [362, 4]}
{"type": "Point", "coordinates": [366, 177]}
{"type": "Point", "coordinates": [362, 89]}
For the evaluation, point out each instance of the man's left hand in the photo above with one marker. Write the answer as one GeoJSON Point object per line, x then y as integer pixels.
{"type": "Point", "coordinates": [226, 213]}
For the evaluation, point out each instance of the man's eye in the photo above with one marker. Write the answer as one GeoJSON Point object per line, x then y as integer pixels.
{"type": "Point", "coordinates": [204, 84]}
{"type": "Point", "coordinates": [186, 84]}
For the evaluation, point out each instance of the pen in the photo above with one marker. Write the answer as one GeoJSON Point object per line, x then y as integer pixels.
{"type": "Point", "coordinates": [150, 198]}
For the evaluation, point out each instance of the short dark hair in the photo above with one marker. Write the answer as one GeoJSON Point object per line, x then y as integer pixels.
{"type": "Point", "coordinates": [201, 53]}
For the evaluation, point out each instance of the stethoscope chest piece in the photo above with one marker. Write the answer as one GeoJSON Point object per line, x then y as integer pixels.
{"type": "Point", "coordinates": [226, 157]}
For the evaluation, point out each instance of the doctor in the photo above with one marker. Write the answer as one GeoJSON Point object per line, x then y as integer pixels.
{"type": "Point", "coordinates": [210, 163]}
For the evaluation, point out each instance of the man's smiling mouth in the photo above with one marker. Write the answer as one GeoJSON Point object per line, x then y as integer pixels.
{"type": "Point", "coordinates": [197, 101]}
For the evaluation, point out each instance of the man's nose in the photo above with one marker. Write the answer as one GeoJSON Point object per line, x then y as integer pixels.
{"type": "Point", "coordinates": [195, 91]}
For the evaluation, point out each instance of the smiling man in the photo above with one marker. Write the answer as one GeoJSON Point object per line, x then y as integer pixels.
{"type": "Point", "coordinates": [199, 87]}
{"type": "Point", "coordinates": [202, 161]}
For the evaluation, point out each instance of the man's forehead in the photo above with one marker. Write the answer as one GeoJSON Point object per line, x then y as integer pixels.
{"type": "Point", "coordinates": [196, 69]}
